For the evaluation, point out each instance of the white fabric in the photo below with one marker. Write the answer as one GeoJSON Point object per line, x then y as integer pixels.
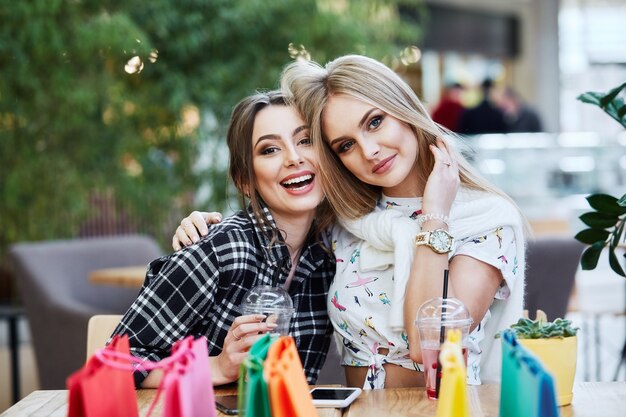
{"type": "Point", "coordinates": [389, 235]}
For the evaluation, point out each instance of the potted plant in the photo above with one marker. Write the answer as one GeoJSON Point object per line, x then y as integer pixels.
{"type": "Point", "coordinates": [606, 221]}
{"type": "Point", "coordinates": [555, 344]}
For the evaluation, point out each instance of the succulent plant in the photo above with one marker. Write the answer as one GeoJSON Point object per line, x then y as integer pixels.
{"type": "Point", "coordinates": [539, 329]}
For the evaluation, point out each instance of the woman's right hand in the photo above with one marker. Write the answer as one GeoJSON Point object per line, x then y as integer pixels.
{"type": "Point", "coordinates": [193, 227]}
{"type": "Point", "coordinates": [443, 182]}
{"type": "Point", "coordinates": [243, 333]}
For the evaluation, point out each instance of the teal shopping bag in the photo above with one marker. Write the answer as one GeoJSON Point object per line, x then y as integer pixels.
{"type": "Point", "coordinates": [253, 395]}
{"type": "Point", "coordinates": [527, 388]}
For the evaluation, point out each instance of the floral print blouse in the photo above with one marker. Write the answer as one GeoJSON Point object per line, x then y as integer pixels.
{"type": "Point", "coordinates": [359, 301]}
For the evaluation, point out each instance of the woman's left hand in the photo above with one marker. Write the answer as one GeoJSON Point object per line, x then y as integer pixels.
{"type": "Point", "coordinates": [443, 182]}
{"type": "Point", "coordinates": [242, 334]}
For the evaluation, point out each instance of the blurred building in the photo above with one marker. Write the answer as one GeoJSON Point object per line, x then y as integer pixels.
{"type": "Point", "coordinates": [549, 51]}
{"type": "Point", "coordinates": [514, 43]}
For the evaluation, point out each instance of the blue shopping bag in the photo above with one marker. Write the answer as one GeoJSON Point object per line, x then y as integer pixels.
{"type": "Point", "coordinates": [527, 387]}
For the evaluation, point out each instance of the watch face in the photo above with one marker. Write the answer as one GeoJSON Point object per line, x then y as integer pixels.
{"type": "Point", "coordinates": [440, 241]}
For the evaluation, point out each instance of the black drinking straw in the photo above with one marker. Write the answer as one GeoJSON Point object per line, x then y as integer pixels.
{"type": "Point", "coordinates": [442, 336]}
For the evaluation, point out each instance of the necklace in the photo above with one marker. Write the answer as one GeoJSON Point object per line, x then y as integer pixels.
{"type": "Point", "coordinates": [294, 263]}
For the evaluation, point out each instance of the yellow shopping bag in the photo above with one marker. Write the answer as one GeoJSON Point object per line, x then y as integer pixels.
{"type": "Point", "coordinates": [453, 401]}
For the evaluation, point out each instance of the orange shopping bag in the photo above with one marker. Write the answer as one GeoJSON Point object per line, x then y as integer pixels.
{"type": "Point", "coordinates": [288, 388]}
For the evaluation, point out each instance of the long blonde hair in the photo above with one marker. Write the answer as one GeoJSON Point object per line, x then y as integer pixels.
{"type": "Point", "coordinates": [309, 86]}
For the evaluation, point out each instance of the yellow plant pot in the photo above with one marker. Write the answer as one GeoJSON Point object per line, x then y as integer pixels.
{"type": "Point", "coordinates": [559, 358]}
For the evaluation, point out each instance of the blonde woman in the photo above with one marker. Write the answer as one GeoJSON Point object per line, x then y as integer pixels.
{"type": "Point", "coordinates": [409, 207]}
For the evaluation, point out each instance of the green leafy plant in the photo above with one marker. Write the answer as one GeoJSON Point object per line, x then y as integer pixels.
{"type": "Point", "coordinates": [115, 112]}
{"type": "Point", "coordinates": [540, 329]}
{"type": "Point", "coordinates": [606, 222]}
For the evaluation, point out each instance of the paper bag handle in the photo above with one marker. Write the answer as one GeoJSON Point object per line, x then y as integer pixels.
{"type": "Point", "coordinates": [108, 357]}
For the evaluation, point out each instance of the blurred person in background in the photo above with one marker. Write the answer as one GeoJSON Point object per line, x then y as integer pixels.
{"type": "Point", "coordinates": [518, 116]}
{"type": "Point", "coordinates": [484, 118]}
{"type": "Point", "coordinates": [449, 109]}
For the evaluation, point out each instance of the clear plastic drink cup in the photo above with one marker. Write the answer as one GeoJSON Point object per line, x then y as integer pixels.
{"type": "Point", "coordinates": [435, 316]}
{"type": "Point", "coordinates": [273, 302]}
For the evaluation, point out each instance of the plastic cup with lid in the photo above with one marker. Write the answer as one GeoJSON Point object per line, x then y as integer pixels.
{"type": "Point", "coordinates": [273, 302]}
{"type": "Point", "coordinates": [434, 319]}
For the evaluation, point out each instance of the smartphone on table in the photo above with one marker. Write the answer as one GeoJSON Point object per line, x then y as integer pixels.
{"type": "Point", "coordinates": [227, 404]}
{"type": "Point", "coordinates": [338, 397]}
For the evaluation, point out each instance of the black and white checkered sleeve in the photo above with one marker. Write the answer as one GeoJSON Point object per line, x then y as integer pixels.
{"type": "Point", "coordinates": [178, 291]}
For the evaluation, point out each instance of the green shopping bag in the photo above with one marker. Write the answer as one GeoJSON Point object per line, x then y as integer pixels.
{"type": "Point", "coordinates": [527, 388]}
{"type": "Point", "coordinates": [253, 398]}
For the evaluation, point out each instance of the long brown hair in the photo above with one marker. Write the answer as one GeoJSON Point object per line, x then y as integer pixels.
{"type": "Point", "coordinates": [308, 86]}
{"type": "Point", "coordinates": [241, 170]}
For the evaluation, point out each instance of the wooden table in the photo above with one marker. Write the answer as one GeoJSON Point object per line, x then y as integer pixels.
{"type": "Point", "coordinates": [591, 399]}
{"type": "Point", "coordinates": [129, 276]}
{"type": "Point", "coordinates": [54, 404]}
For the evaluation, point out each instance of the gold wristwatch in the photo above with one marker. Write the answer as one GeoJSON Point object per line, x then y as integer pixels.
{"type": "Point", "coordinates": [438, 240]}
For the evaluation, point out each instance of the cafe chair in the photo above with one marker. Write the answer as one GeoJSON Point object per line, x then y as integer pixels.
{"type": "Point", "coordinates": [99, 329]}
{"type": "Point", "coordinates": [52, 277]}
{"type": "Point", "coordinates": [551, 265]}
{"type": "Point", "coordinates": [12, 315]}
{"type": "Point", "coordinates": [332, 373]}
{"type": "Point", "coordinates": [101, 326]}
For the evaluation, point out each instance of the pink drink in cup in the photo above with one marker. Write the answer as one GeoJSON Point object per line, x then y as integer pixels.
{"type": "Point", "coordinates": [429, 361]}
{"type": "Point", "coordinates": [434, 316]}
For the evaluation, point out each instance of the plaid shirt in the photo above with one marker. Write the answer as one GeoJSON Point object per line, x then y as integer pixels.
{"type": "Point", "coordinates": [197, 291]}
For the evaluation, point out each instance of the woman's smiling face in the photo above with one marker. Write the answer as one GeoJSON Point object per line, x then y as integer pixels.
{"type": "Point", "coordinates": [284, 163]}
{"type": "Point", "coordinates": [376, 147]}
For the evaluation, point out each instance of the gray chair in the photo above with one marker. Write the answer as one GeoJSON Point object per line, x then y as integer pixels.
{"type": "Point", "coordinates": [551, 265]}
{"type": "Point", "coordinates": [332, 373]}
{"type": "Point", "coordinates": [52, 277]}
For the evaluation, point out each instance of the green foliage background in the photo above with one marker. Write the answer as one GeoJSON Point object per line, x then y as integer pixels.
{"type": "Point", "coordinates": [73, 122]}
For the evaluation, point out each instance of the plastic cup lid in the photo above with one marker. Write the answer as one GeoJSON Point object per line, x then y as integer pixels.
{"type": "Point", "coordinates": [448, 312]}
{"type": "Point", "coordinates": [265, 298]}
